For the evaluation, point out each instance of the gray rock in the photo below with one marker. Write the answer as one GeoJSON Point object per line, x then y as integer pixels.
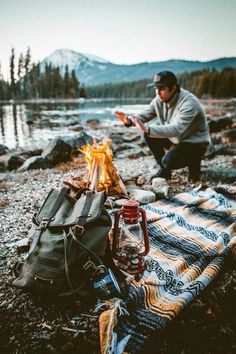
{"type": "Point", "coordinates": [117, 138]}
{"type": "Point", "coordinates": [225, 149]}
{"type": "Point", "coordinates": [6, 176]}
{"type": "Point", "coordinates": [217, 124]}
{"type": "Point", "coordinates": [160, 187]}
{"type": "Point", "coordinates": [224, 175]}
{"type": "Point", "coordinates": [132, 138]}
{"type": "Point", "coordinates": [229, 135]}
{"type": "Point", "coordinates": [78, 140]}
{"type": "Point", "coordinates": [116, 148]}
{"type": "Point", "coordinates": [33, 163]}
{"type": "Point", "coordinates": [211, 150]}
{"type": "Point", "coordinates": [133, 153]}
{"type": "Point", "coordinates": [93, 122]}
{"type": "Point", "coordinates": [142, 196]}
{"type": "Point", "coordinates": [3, 149]}
{"type": "Point", "coordinates": [57, 151]}
{"type": "Point", "coordinates": [17, 159]}
{"type": "Point", "coordinates": [3, 166]}
{"type": "Point", "coordinates": [76, 128]}
{"type": "Point", "coordinates": [71, 122]}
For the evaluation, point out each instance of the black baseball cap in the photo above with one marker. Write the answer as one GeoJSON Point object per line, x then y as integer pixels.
{"type": "Point", "coordinates": [164, 78]}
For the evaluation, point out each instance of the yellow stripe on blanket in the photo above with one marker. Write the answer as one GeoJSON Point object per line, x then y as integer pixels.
{"type": "Point", "coordinates": [190, 237]}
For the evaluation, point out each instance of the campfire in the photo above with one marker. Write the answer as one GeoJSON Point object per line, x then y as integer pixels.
{"type": "Point", "coordinates": [102, 174]}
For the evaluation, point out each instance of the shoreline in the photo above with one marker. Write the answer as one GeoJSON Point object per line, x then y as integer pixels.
{"type": "Point", "coordinates": [71, 100]}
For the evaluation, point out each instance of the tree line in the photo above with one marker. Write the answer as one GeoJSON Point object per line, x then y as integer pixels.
{"type": "Point", "coordinates": [29, 81]}
{"type": "Point", "coordinates": [203, 83]}
{"type": "Point", "coordinates": [211, 83]}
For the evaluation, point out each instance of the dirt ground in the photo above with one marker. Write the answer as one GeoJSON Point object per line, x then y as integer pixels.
{"type": "Point", "coordinates": [32, 325]}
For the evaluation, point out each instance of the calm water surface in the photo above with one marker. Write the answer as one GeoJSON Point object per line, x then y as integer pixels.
{"type": "Point", "coordinates": [33, 124]}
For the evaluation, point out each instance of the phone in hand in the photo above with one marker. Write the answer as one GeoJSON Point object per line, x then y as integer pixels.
{"type": "Point", "coordinates": [122, 116]}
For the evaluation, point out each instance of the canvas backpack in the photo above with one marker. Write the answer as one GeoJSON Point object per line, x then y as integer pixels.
{"type": "Point", "coordinates": [69, 239]}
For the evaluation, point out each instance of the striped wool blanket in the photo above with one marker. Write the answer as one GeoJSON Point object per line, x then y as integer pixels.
{"type": "Point", "coordinates": [190, 236]}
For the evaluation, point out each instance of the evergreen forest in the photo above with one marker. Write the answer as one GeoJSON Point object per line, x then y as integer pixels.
{"type": "Point", "coordinates": [28, 81]}
{"type": "Point", "coordinates": [204, 84]}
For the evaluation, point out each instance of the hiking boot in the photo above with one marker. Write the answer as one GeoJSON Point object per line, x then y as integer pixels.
{"type": "Point", "coordinates": [162, 173]}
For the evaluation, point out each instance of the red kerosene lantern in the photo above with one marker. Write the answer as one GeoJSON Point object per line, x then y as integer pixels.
{"type": "Point", "coordinates": [130, 238]}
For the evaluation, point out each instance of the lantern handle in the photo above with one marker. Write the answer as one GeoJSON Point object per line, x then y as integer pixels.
{"type": "Point", "coordinates": [145, 232]}
{"type": "Point", "coordinates": [116, 232]}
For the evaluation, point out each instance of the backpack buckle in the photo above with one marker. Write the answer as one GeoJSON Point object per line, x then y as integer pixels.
{"type": "Point", "coordinates": [16, 268]}
{"type": "Point", "coordinates": [93, 269]}
{"type": "Point", "coordinates": [44, 224]}
{"type": "Point", "coordinates": [78, 230]}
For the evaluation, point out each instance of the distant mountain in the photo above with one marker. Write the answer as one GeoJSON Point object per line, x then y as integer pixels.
{"type": "Point", "coordinates": [92, 70]}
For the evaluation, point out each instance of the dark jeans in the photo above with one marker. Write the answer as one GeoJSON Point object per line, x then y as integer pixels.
{"type": "Point", "coordinates": [177, 155]}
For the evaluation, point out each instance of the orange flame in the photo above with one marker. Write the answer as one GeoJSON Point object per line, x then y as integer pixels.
{"type": "Point", "coordinates": [102, 174]}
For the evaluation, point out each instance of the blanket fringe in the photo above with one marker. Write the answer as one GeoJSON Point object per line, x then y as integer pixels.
{"type": "Point", "coordinates": [108, 319]}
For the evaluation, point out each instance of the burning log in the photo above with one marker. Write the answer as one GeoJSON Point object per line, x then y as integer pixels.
{"type": "Point", "coordinates": [102, 174]}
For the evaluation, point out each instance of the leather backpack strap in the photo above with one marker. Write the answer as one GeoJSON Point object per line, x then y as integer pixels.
{"type": "Point", "coordinates": [75, 231]}
{"type": "Point", "coordinates": [78, 229]}
{"type": "Point", "coordinates": [57, 203]}
{"type": "Point", "coordinates": [81, 219]}
{"type": "Point", "coordinates": [80, 192]}
{"type": "Point", "coordinates": [46, 219]}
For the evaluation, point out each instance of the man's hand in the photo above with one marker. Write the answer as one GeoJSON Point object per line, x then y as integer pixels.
{"type": "Point", "coordinates": [122, 117]}
{"type": "Point", "coordinates": [139, 124]}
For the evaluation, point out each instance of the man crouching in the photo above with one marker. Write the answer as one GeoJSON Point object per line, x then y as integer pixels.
{"type": "Point", "coordinates": [174, 125]}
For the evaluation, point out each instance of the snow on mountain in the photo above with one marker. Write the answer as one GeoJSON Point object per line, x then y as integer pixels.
{"type": "Point", "coordinates": [92, 70]}
{"type": "Point", "coordinates": [74, 60]}
{"type": "Point", "coordinates": [96, 59]}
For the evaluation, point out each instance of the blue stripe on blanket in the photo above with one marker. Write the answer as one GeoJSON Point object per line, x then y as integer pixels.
{"type": "Point", "coordinates": [221, 217]}
{"type": "Point", "coordinates": [190, 236]}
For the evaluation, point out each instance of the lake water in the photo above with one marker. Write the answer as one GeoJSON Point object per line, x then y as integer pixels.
{"type": "Point", "coordinates": [33, 124]}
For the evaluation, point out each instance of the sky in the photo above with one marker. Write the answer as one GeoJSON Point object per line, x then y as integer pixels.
{"type": "Point", "coordinates": [121, 31]}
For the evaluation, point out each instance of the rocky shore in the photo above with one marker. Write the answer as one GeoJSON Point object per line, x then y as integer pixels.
{"type": "Point", "coordinates": [40, 326]}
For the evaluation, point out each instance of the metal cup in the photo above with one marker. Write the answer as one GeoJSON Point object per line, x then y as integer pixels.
{"type": "Point", "coordinates": [106, 285]}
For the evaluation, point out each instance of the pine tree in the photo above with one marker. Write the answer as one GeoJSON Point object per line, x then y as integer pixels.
{"type": "Point", "coordinates": [229, 79]}
{"type": "Point", "coordinates": [27, 61]}
{"type": "Point", "coordinates": [1, 76]}
{"type": "Point", "coordinates": [57, 83]}
{"type": "Point", "coordinates": [20, 73]}
{"type": "Point", "coordinates": [34, 78]}
{"type": "Point", "coordinates": [73, 85]}
{"type": "Point", "coordinates": [66, 82]}
{"type": "Point", "coordinates": [4, 87]}
{"type": "Point", "coordinates": [20, 66]}
{"type": "Point", "coordinates": [12, 74]}
{"type": "Point", "coordinates": [49, 81]}
{"type": "Point", "coordinates": [82, 91]}
{"type": "Point", "coordinates": [27, 67]}
{"type": "Point", "coordinates": [1, 84]}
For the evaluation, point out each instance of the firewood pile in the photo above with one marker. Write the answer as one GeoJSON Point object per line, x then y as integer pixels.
{"type": "Point", "coordinates": [102, 173]}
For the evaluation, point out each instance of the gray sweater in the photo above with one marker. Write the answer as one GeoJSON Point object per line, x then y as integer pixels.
{"type": "Point", "coordinates": [182, 119]}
